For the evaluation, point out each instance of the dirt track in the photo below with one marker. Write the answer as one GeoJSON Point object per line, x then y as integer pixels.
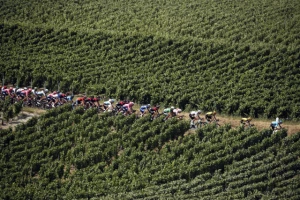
{"type": "Point", "coordinates": [260, 124]}
{"type": "Point", "coordinates": [23, 117]}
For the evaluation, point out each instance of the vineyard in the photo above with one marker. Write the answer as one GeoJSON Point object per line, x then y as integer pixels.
{"type": "Point", "coordinates": [239, 58]}
{"type": "Point", "coordinates": [235, 57]}
{"type": "Point", "coordinates": [77, 154]}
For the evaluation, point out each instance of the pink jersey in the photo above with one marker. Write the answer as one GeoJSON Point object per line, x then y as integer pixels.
{"type": "Point", "coordinates": [26, 92]}
{"type": "Point", "coordinates": [7, 91]}
{"type": "Point", "coordinates": [126, 106]}
{"type": "Point", "coordinates": [53, 95]}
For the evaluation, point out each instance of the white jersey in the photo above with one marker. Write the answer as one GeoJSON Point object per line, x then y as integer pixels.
{"type": "Point", "coordinates": [20, 90]}
{"type": "Point", "coordinates": [177, 110]}
{"type": "Point", "coordinates": [40, 93]}
{"type": "Point", "coordinates": [107, 103]}
{"type": "Point", "coordinates": [193, 112]}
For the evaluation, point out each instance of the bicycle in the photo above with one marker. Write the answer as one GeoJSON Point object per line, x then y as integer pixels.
{"type": "Point", "coordinates": [200, 123]}
{"type": "Point", "coordinates": [204, 123]}
{"type": "Point", "coordinates": [247, 124]}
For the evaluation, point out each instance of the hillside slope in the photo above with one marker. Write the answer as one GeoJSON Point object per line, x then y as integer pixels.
{"type": "Point", "coordinates": [236, 57]}
{"type": "Point", "coordinates": [81, 155]}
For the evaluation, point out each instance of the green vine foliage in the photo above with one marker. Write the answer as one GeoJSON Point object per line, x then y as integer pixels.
{"type": "Point", "coordinates": [239, 58]}
{"type": "Point", "coordinates": [76, 155]}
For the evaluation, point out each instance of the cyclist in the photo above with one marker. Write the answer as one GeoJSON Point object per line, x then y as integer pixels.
{"type": "Point", "coordinates": [154, 111]}
{"type": "Point", "coordinates": [95, 101]}
{"type": "Point", "coordinates": [18, 91]}
{"type": "Point", "coordinates": [194, 115]}
{"type": "Point", "coordinates": [3, 87]}
{"type": "Point", "coordinates": [80, 101]}
{"type": "Point", "coordinates": [276, 125]}
{"type": "Point", "coordinates": [108, 105]}
{"type": "Point", "coordinates": [8, 92]}
{"type": "Point", "coordinates": [127, 108]}
{"type": "Point", "coordinates": [210, 115]}
{"type": "Point", "coordinates": [246, 121]}
{"type": "Point", "coordinates": [61, 98]}
{"type": "Point", "coordinates": [144, 109]}
{"type": "Point", "coordinates": [177, 111]}
{"type": "Point", "coordinates": [51, 98]}
{"type": "Point", "coordinates": [69, 97]}
{"type": "Point", "coordinates": [172, 112]}
{"type": "Point", "coordinates": [168, 110]}
{"type": "Point", "coordinates": [88, 102]}
{"type": "Point", "coordinates": [26, 93]}
{"type": "Point", "coordinates": [40, 94]}
{"type": "Point", "coordinates": [120, 104]}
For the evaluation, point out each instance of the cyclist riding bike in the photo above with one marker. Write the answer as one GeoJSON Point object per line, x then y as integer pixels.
{"type": "Point", "coordinates": [18, 92]}
{"type": "Point", "coordinates": [246, 121]}
{"type": "Point", "coordinates": [276, 125]}
{"type": "Point", "coordinates": [168, 110]}
{"type": "Point", "coordinates": [8, 92]}
{"type": "Point", "coordinates": [95, 101]}
{"type": "Point", "coordinates": [154, 111]}
{"type": "Point", "coordinates": [80, 101]}
{"type": "Point", "coordinates": [144, 109]}
{"type": "Point", "coordinates": [3, 87]}
{"type": "Point", "coordinates": [173, 112]}
{"type": "Point", "coordinates": [211, 116]}
{"type": "Point", "coordinates": [127, 108]}
{"type": "Point", "coordinates": [69, 97]}
{"type": "Point", "coordinates": [61, 99]}
{"type": "Point", "coordinates": [120, 104]}
{"type": "Point", "coordinates": [108, 105]}
{"type": "Point", "coordinates": [88, 102]}
{"type": "Point", "coordinates": [194, 115]}
{"type": "Point", "coordinates": [26, 94]}
{"type": "Point", "coordinates": [41, 94]}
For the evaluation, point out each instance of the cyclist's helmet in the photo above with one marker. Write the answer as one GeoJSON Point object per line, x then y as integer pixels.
{"type": "Point", "coordinates": [214, 112]}
{"type": "Point", "coordinates": [46, 90]}
{"type": "Point", "coordinates": [131, 104]}
{"type": "Point", "coordinates": [111, 100]}
{"type": "Point", "coordinates": [179, 110]}
{"type": "Point", "coordinates": [172, 107]}
{"type": "Point", "coordinates": [25, 88]}
{"type": "Point", "coordinates": [148, 106]}
{"type": "Point", "coordinates": [249, 118]}
{"type": "Point", "coordinates": [199, 111]}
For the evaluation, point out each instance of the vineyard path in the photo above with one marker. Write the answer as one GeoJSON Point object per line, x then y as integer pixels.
{"type": "Point", "coordinates": [260, 124]}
